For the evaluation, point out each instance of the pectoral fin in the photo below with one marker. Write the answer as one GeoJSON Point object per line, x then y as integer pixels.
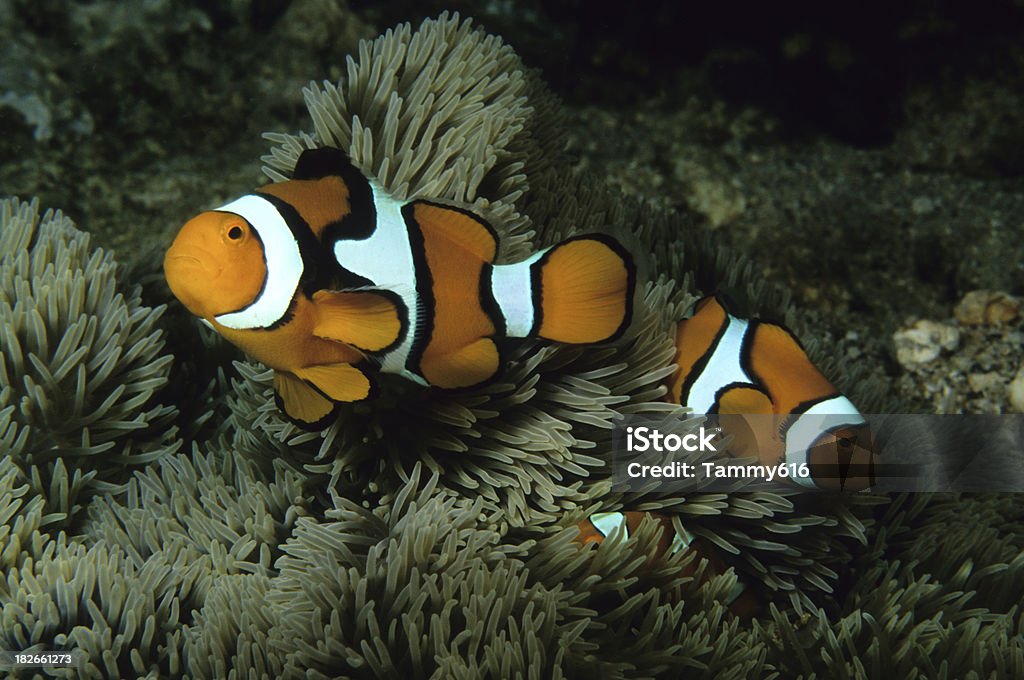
{"type": "Point", "coordinates": [369, 320]}
{"type": "Point", "coordinates": [340, 382]}
{"type": "Point", "coordinates": [303, 405]}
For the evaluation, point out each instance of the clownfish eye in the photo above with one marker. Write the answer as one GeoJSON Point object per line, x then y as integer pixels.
{"type": "Point", "coordinates": [235, 233]}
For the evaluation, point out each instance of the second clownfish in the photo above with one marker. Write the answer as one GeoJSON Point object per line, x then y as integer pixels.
{"type": "Point", "coordinates": [755, 377]}
{"type": "Point", "coordinates": [324, 276]}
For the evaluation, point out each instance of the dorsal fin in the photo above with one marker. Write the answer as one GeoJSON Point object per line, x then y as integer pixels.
{"type": "Point", "coordinates": [326, 161]}
{"type": "Point", "coordinates": [459, 227]}
{"type": "Point", "coordinates": [360, 219]}
{"type": "Point", "coordinates": [776, 360]}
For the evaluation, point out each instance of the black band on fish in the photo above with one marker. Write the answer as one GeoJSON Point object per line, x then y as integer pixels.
{"type": "Point", "coordinates": [361, 220]}
{"type": "Point", "coordinates": [316, 263]}
{"type": "Point", "coordinates": [403, 313]}
{"type": "Point", "coordinates": [424, 290]}
{"type": "Point", "coordinates": [746, 360]}
{"type": "Point", "coordinates": [488, 303]}
{"type": "Point", "coordinates": [805, 406]}
{"type": "Point", "coordinates": [724, 389]}
{"type": "Point", "coordinates": [537, 292]}
{"type": "Point", "coordinates": [701, 364]}
{"type": "Point", "coordinates": [345, 279]}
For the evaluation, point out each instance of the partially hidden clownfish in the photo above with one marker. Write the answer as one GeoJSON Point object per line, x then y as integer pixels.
{"type": "Point", "coordinates": [757, 379]}
{"type": "Point", "coordinates": [599, 526]}
{"type": "Point", "coordinates": [326, 276]}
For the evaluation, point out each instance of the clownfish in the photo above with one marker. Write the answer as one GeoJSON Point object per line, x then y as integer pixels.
{"type": "Point", "coordinates": [326, 276]}
{"type": "Point", "coordinates": [767, 394]}
{"type": "Point", "coordinates": [600, 525]}
{"type": "Point", "coordinates": [596, 528]}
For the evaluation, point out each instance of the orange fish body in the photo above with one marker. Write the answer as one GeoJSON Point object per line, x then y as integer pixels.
{"type": "Point", "coordinates": [325, 275]}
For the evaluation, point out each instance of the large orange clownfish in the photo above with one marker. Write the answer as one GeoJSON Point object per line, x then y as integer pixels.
{"type": "Point", "coordinates": [326, 275]}
{"type": "Point", "coordinates": [770, 397]}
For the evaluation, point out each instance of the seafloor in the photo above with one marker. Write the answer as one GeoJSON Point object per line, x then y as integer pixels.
{"type": "Point", "coordinates": [867, 160]}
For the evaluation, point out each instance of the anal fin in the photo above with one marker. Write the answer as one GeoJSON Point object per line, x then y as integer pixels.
{"type": "Point", "coordinates": [464, 367]}
{"type": "Point", "coordinates": [340, 382]}
{"type": "Point", "coordinates": [369, 320]}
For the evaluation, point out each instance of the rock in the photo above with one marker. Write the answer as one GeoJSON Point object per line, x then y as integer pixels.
{"type": "Point", "coordinates": [986, 307]}
{"type": "Point", "coordinates": [924, 341]}
{"type": "Point", "coordinates": [922, 205]}
{"type": "Point", "coordinates": [1015, 391]}
{"type": "Point", "coordinates": [711, 193]}
{"type": "Point", "coordinates": [984, 382]}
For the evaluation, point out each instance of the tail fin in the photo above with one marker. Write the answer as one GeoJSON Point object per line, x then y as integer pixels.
{"type": "Point", "coordinates": [584, 290]}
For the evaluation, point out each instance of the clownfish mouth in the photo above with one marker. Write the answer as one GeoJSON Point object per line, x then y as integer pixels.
{"type": "Point", "coordinates": [188, 261]}
{"type": "Point", "coordinates": [181, 259]}
{"type": "Point", "coordinates": [189, 277]}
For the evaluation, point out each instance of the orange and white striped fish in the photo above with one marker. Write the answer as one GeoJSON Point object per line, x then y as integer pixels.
{"type": "Point", "coordinates": [600, 525]}
{"type": "Point", "coordinates": [325, 276]}
{"type": "Point", "coordinates": [769, 396]}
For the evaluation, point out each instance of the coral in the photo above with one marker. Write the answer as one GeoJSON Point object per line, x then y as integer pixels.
{"type": "Point", "coordinates": [439, 594]}
{"type": "Point", "coordinates": [21, 514]}
{"type": "Point", "coordinates": [124, 593]}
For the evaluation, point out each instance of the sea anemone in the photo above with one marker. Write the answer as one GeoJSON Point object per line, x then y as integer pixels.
{"type": "Point", "coordinates": [442, 113]}
{"type": "Point", "coordinates": [81, 362]}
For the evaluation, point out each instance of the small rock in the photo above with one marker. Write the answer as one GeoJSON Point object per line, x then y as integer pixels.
{"type": "Point", "coordinates": [923, 342]}
{"type": "Point", "coordinates": [986, 307]}
{"type": "Point", "coordinates": [1015, 391]}
{"type": "Point", "coordinates": [983, 382]}
{"type": "Point", "coordinates": [922, 205]}
{"type": "Point", "coordinates": [711, 193]}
